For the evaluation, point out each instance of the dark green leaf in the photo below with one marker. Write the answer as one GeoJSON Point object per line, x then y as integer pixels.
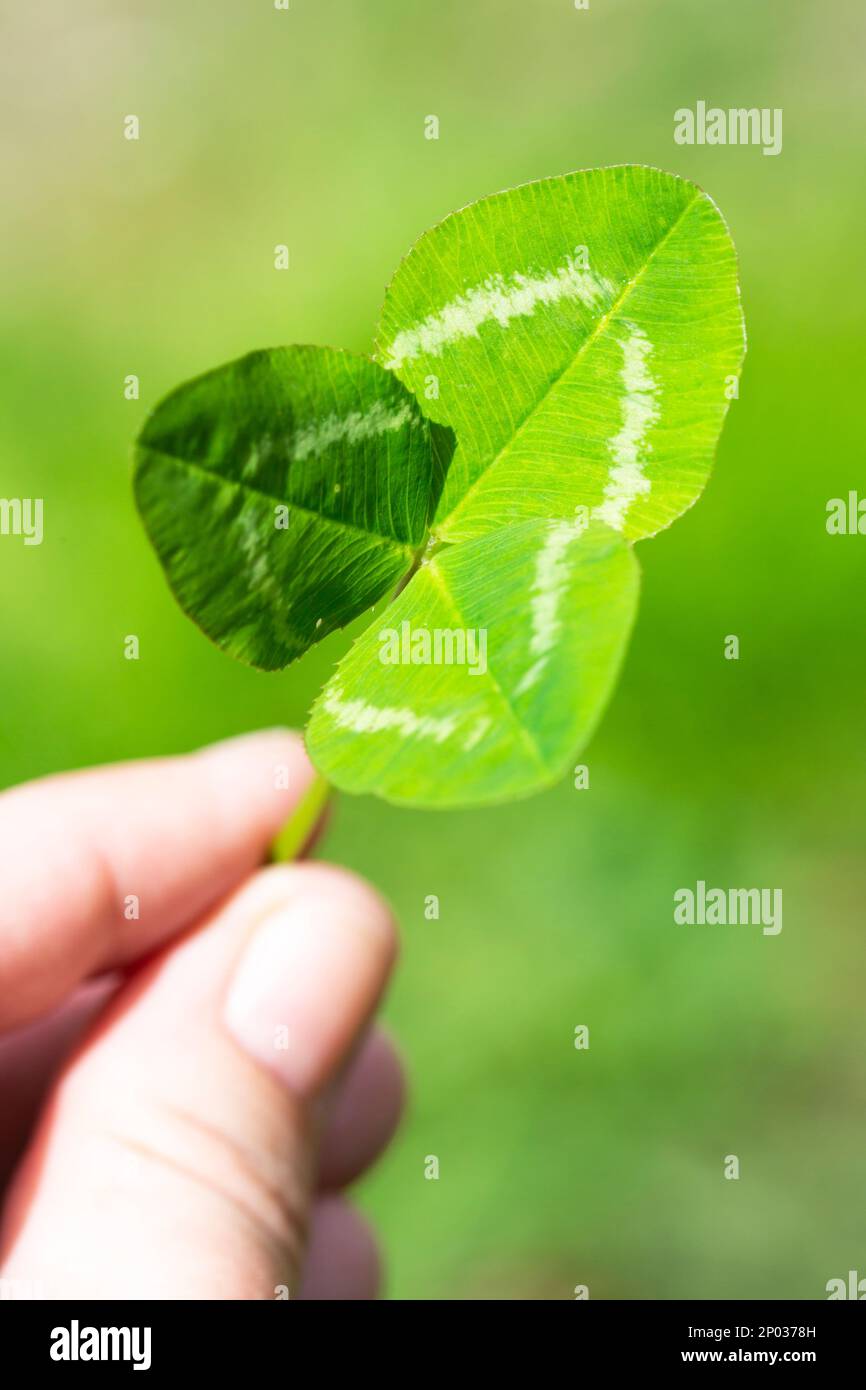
{"type": "Point", "coordinates": [285, 493]}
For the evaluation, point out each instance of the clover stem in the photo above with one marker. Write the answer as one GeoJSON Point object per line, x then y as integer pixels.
{"type": "Point", "coordinates": [301, 823]}
{"type": "Point", "coordinates": [413, 569]}
{"type": "Point", "coordinates": [426, 552]}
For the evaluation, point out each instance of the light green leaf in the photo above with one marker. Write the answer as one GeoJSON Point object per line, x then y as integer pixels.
{"type": "Point", "coordinates": [285, 493]}
{"type": "Point", "coordinates": [535, 622]}
{"type": "Point", "coordinates": [582, 333]}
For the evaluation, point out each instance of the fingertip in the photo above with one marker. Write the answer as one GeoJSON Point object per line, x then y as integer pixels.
{"type": "Point", "coordinates": [363, 1113]}
{"type": "Point", "coordinates": [278, 734]}
{"type": "Point", "coordinates": [363, 904]}
{"type": "Point", "coordinates": [343, 1261]}
{"type": "Point", "coordinates": [269, 767]}
{"type": "Point", "coordinates": [141, 849]}
{"type": "Point", "coordinates": [311, 972]}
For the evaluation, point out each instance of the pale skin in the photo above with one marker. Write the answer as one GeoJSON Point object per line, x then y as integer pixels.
{"type": "Point", "coordinates": [185, 1094]}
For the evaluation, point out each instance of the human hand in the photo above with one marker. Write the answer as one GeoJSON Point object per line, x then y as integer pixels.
{"type": "Point", "coordinates": [196, 1084]}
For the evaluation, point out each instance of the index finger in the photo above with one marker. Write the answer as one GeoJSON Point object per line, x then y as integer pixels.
{"type": "Point", "coordinates": [99, 867]}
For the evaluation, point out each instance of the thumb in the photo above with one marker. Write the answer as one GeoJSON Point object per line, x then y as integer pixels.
{"type": "Point", "coordinates": [176, 1155]}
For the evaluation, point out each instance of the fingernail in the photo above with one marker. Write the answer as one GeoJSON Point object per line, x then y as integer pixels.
{"type": "Point", "coordinates": [306, 983]}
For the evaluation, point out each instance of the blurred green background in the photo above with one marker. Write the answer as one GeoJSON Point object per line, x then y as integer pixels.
{"type": "Point", "coordinates": [557, 1167]}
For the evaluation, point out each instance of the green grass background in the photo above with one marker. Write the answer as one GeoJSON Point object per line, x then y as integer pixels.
{"type": "Point", "coordinates": [558, 1167]}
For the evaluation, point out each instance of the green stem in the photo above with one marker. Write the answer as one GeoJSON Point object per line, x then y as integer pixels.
{"type": "Point", "coordinates": [301, 823]}
{"type": "Point", "coordinates": [430, 548]}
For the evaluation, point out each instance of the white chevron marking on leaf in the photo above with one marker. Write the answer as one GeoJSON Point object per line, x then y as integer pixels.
{"type": "Point", "coordinates": [629, 448]}
{"type": "Point", "coordinates": [477, 733]}
{"type": "Point", "coordinates": [495, 298]}
{"type": "Point", "coordinates": [262, 577]}
{"type": "Point", "coordinates": [363, 718]}
{"type": "Point", "coordinates": [352, 428]}
{"type": "Point", "coordinates": [549, 584]}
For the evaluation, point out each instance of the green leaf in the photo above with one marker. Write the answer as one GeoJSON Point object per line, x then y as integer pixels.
{"type": "Point", "coordinates": [285, 493]}
{"type": "Point", "coordinates": [540, 615]}
{"type": "Point", "coordinates": [582, 333]}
